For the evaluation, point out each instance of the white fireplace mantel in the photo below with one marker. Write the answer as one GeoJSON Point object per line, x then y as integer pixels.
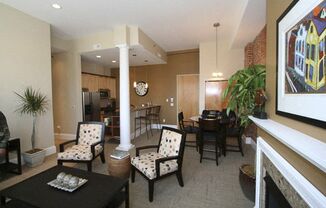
{"type": "Point", "coordinates": [309, 148]}
{"type": "Point", "coordinates": [306, 146]}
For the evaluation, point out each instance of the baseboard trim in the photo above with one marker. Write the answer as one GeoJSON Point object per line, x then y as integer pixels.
{"type": "Point", "coordinates": [65, 136]}
{"type": "Point", "coordinates": [251, 142]}
{"type": "Point", "coordinates": [48, 151]}
{"type": "Point", "coordinates": [154, 126]}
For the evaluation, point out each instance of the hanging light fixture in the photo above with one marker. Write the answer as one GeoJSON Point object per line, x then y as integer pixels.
{"type": "Point", "coordinates": [146, 85]}
{"type": "Point", "coordinates": [135, 83]}
{"type": "Point", "coordinates": [216, 74]}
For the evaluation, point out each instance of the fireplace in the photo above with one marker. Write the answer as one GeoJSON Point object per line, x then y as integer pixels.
{"type": "Point", "coordinates": [273, 195]}
{"type": "Point", "coordinates": [285, 179]}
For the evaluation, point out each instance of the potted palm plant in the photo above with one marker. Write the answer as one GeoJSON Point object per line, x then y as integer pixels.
{"type": "Point", "coordinates": [33, 103]}
{"type": "Point", "coordinates": [241, 94]}
{"type": "Point", "coordinates": [242, 89]}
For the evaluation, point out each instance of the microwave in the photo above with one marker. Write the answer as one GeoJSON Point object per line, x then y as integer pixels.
{"type": "Point", "coordinates": [104, 93]}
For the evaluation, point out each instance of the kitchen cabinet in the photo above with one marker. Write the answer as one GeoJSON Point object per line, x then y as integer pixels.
{"type": "Point", "coordinates": [95, 82]}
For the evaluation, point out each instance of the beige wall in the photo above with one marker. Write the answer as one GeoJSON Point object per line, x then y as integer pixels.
{"type": "Point", "coordinates": [162, 81]}
{"type": "Point", "coordinates": [25, 60]}
{"type": "Point", "coordinates": [274, 9]}
{"type": "Point", "coordinates": [64, 98]}
{"type": "Point", "coordinates": [229, 61]}
{"type": "Point", "coordinates": [94, 68]}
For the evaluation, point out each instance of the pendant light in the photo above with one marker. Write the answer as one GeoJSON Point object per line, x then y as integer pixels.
{"type": "Point", "coordinates": [216, 74]}
{"type": "Point", "coordinates": [146, 85]}
{"type": "Point", "coordinates": [135, 83]}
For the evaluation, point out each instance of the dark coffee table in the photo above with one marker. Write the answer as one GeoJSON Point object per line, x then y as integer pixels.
{"type": "Point", "coordinates": [99, 191]}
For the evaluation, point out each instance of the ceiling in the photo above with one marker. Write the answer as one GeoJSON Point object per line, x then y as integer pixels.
{"type": "Point", "coordinates": [138, 56]}
{"type": "Point", "coordinates": [172, 24]}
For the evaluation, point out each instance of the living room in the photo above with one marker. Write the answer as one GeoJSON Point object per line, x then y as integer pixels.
{"type": "Point", "coordinates": [26, 43]}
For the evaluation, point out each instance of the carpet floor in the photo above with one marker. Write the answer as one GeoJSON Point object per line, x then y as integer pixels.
{"type": "Point", "coordinates": [205, 184]}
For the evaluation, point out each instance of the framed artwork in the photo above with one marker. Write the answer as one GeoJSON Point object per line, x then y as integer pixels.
{"type": "Point", "coordinates": [301, 59]}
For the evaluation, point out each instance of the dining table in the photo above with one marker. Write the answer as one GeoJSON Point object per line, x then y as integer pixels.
{"type": "Point", "coordinates": [224, 122]}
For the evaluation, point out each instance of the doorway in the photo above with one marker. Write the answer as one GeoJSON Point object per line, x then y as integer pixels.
{"type": "Point", "coordinates": [188, 95]}
{"type": "Point", "coordinates": [214, 90]}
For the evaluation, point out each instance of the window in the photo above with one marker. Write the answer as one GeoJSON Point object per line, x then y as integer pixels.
{"type": "Point", "coordinates": [321, 70]}
{"type": "Point", "coordinates": [311, 72]}
{"type": "Point", "coordinates": [313, 52]}
{"type": "Point", "coordinates": [321, 49]}
{"type": "Point", "coordinates": [307, 51]}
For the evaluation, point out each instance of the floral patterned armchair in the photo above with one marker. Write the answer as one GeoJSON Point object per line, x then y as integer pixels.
{"type": "Point", "coordinates": [165, 161]}
{"type": "Point", "coordinates": [89, 144]}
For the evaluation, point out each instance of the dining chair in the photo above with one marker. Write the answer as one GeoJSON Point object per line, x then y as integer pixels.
{"type": "Point", "coordinates": [143, 118]}
{"type": "Point", "coordinates": [89, 144]}
{"type": "Point", "coordinates": [164, 161]}
{"type": "Point", "coordinates": [211, 132]}
{"type": "Point", "coordinates": [190, 128]}
{"type": "Point", "coordinates": [234, 130]}
{"type": "Point", "coordinates": [154, 116]}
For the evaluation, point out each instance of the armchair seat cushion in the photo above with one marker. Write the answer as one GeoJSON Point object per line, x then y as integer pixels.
{"type": "Point", "coordinates": [79, 152]}
{"type": "Point", "coordinates": [146, 164]}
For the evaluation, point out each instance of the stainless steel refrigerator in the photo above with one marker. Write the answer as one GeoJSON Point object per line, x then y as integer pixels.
{"type": "Point", "coordinates": [91, 106]}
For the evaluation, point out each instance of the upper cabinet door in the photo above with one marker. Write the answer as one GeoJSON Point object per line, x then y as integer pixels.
{"type": "Point", "coordinates": [110, 84]}
{"type": "Point", "coordinates": [93, 83]}
{"type": "Point", "coordinates": [85, 81]}
{"type": "Point", "coordinates": [102, 83]}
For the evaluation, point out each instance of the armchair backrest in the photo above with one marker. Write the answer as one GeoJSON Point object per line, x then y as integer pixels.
{"type": "Point", "coordinates": [89, 133]}
{"type": "Point", "coordinates": [172, 142]}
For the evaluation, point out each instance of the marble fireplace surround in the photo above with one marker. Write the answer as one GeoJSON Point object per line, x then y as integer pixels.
{"type": "Point", "coordinates": [300, 192]}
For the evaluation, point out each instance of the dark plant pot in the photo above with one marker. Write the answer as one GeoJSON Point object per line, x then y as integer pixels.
{"type": "Point", "coordinates": [260, 114]}
{"type": "Point", "coordinates": [247, 181]}
{"type": "Point", "coordinates": [251, 131]}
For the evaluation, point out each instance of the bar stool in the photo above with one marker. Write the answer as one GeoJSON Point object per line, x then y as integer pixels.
{"type": "Point", "coordinates": [143, 119]}
{"type": "Point", "coordinates": [154, 116]}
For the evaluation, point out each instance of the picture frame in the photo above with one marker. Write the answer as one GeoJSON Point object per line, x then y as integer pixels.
{"type": "Point", "coordinates": [301, 73]}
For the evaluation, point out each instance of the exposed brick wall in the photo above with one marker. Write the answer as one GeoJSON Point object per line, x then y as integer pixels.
{"type": "Point", "coordinates": [255, 52]}
{"type": "Point", "coordinates": [249, 54]}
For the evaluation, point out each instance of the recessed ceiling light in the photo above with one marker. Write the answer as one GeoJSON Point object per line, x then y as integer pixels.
{"type": "Point", "coordinates": [98, 56]}
{"type": "Point", "coordinates": [56, 6]}
{"type": "Point", "coordinates": [114, 61]}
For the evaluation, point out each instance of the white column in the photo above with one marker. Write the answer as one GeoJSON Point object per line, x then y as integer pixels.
{"type": "Point", "coordinates": [124, 99]}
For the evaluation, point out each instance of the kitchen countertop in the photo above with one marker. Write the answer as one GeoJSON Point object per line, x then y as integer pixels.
{"type": "Point", "coordinates": [139, 108]}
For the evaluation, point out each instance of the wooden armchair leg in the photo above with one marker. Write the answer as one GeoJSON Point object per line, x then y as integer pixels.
{"type": "Point", "coordinates": [89, 166]}
{"type": "Point", "coordinates": [179, 176]}
{"type": "Point", "coordinates": [133, 170]}
{"type": "Point", "coordinates": [151, 190]}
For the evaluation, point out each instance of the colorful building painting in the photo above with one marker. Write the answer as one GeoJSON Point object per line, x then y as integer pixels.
{"type": "Point", "coordinates": [315, 55]}
{"type": "Point", "coordinates": [300, 50]}
{"type": "Point", "coordinates": [306, 48]}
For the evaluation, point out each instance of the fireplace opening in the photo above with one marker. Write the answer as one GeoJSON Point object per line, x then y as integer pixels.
{"type": "Point", "coordinates": [274, 197]}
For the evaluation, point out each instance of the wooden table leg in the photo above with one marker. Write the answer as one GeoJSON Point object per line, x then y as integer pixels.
{"type": "Point", "coordinates": [127, 195]}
